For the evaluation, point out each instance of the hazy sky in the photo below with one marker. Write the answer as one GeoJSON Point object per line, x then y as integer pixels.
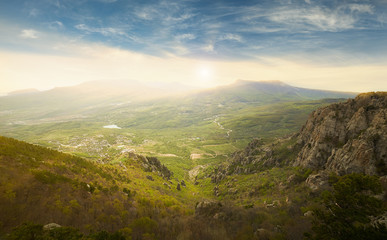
{"type": "Point", "coordinates": [328, 44]}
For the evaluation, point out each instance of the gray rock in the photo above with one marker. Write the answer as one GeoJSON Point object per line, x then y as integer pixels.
{"type": "Point", "coordinates": [317, 181]}
{"type": "Point", "coordinates": [347, 137]}
{"type": "Point", "coordinates": [308, 214]}
{"type": "Point", "coordinates": [51, 226]}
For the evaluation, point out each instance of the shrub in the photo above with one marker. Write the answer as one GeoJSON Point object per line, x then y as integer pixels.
{"type": "Point", "coordinates": [346, 211]}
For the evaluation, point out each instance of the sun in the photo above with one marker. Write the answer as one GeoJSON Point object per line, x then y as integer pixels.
{"type": "Point", "coordinates": [204, 72]}
{"type": "Point", "coordinates": [205, 75]}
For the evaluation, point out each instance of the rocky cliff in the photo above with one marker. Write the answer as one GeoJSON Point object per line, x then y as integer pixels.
{"type": "Point", "coordinates": [347, 137]}
{"type": "Point", "coordinates": [343, 138]}
{"type": "Point", "coordinates": [256, 157]}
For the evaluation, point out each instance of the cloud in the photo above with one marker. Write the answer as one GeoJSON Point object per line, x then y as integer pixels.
{"type": "Point", "coordinates": [146, 13]}
{"type": "Point", "coordinates": [55, 25]}
{"type": "Point", "coordinates": [319, 18]}
{"type": "Point", "coordinates": [209, 47]}
{"type": "Point", "coordinates": [186, 36]}
{"type": "Point", "coordinates": [361, 8]}
{"type": "Point", "coordinates": [29, 34]}
{"type": "Point", "coordinates": [261, 29]}
{"type": "Point", "coordinates": [304, 18]}
{"type": "Point", "coordinates": [104, 31]}
{"type": "Point", "coordinates": [230, 36]}
{"type": "Point", "coordinates": [165, 13]}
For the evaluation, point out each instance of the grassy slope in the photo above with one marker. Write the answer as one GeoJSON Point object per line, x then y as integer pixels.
{"type": "Point", "coordinates": [43, 185]}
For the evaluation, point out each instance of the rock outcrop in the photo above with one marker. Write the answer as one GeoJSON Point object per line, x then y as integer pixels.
{"type": "Point", "coordinates": [151, 164]}
{"type": "Point", "coordinates": [344, 138]}
{"type": "Point", "coordinates": [256, 157]}
{"type": "Point", "coordinates": [347, 137]}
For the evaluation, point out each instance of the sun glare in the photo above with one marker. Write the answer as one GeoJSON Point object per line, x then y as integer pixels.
{"type": "Point", "coordinates": [204, 72]}
{"type": "Point", "coordinates": [204, 75]}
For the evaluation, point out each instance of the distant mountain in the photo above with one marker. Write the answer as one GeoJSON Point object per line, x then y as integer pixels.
{"type": "Point", "coordinates": [267, 91]}
{"type": "Point", "coordinates": [23, 91]}
{"type": "Point", "coordinates": [101, 97]}
{"type": "Point", "coordinates": [88, 94]}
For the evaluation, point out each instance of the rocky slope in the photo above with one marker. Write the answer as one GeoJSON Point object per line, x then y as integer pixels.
{"type": "Point", "coordinates": [343, 138]}
{"type": "Point", "coordinates": [256, 157]}
{"type": "Point", "coordinates": [347, 137]}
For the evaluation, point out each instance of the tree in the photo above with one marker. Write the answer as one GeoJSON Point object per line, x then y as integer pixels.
{"type": "Point", "coordinates": [346, 211]}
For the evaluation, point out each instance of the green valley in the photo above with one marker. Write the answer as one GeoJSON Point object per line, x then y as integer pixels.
{"type": "Point", "coordinates": [201, 128]}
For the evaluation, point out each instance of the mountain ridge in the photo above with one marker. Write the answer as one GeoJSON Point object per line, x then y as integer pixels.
{"type": "Point", "coordinates": [346, 137]}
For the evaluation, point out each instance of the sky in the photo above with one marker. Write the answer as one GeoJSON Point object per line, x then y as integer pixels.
{"type": "Point", "coordinates": [329, 44]}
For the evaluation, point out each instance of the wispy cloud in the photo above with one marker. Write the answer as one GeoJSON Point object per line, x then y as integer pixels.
{"type": "Point", "coordinates": [319, 18]}
{"type": "Point", "coordinates": [55, 25]}
{"type": "Point", "coordinates": [215, 29]}
{"type": "Point", "coordinates": [209, 48]}
{"type": "Point", "coordinates": [186, 36]}
{"type": "Point", "coordinates": [29, 34]}
{"type": "Point", "coordinates": [109, 31]}
{"type": "Point", "coordinates": [361, 8]}
{"type": "Point", "coordinates": [232, 37]}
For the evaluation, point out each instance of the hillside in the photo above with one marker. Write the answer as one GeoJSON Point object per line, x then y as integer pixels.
{"type": "Point", "coordinates": [44, 186]}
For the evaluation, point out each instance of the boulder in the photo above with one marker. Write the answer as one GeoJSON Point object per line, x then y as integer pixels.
{"type": "Point", "coordinates": [317, 181]}
{"type": "Point", "coordinates": [51, 226]}
{"type": "Point", "coordinates": [308, 214]}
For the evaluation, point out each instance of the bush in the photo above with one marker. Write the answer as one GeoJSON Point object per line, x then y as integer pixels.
{"type": "Point", "coordinates": [346, 211]}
